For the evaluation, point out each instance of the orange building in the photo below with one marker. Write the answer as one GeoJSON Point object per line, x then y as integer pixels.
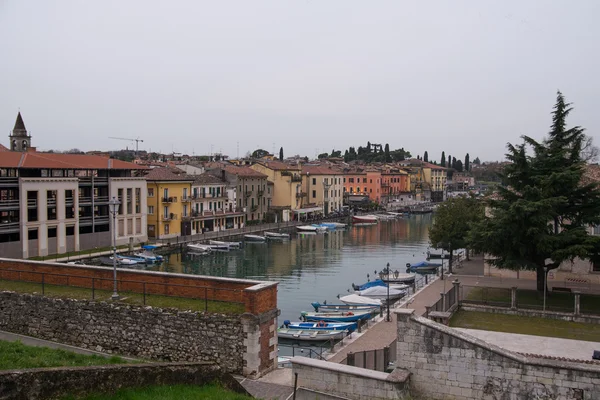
{"type": "Point", "coordinates": [394, 182]}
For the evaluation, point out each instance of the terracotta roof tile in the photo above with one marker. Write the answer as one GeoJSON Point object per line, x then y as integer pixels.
{"type": "Point", "coordinates": [243, 171]}
{"type": "Point", "coordinates": [206, 179]}
{"type": "Point", "coordinates": [3, 148]}
{"type": "Point", "coordinates": [32, 159]}
{"type": "Point", "coordinates": [278, 165]}
{"type": "Point", "coordinates": [167, 174]}
{"type": "Point", "coordinates": [319, 170]}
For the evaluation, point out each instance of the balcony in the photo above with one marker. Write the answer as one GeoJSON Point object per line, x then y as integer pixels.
{"type": "Point", "coordinates": [171, 199]}
{"type": "Point", "coordinates": [300, 194]}
{"type": "Point", "coordinates": [254, 208]}
{"type": "Point", "coordinates": [9, 204]}
{"type": "Point", "coordinates": [248, 193]}
{"type": "Point", "coordinates": [296, 178]}
{"type": "Point", "coordinates": [169, 217]}
{"type": "Point", "coordinates": [385, 184]}
{"type": "Point", "coordinates": [9, 181]}
{"type": "Point", "coordinates": [261, 193]}
{"type": "Point", "coordinates": [186, 199]}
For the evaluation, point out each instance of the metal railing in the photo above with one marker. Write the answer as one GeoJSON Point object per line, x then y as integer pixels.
{"type": "Point", "coordinates": [133, 291]}
{"type": "Point", "coordinates": [499, 297]}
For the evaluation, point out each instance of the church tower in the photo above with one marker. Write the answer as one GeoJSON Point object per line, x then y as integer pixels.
{"type": "Point", "coordinates": [19, 139]}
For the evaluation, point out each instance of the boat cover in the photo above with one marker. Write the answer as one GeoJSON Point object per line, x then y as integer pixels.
{"type": "Point", "coordinates": [380, 291]}
{"type": "Point", "coordinates": [356, 299]}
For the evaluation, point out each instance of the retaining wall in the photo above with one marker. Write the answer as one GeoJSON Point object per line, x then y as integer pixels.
{"type": "Point", "coordinates": [349, 382]}
{"type": "Point", "coordinates": [586, 319]}
{"type": "Point", "coordinates": [448, 364]}
{"type": "Point", "coordinates": [54, 383]}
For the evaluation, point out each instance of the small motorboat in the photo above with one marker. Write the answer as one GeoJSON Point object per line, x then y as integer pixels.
{"type": "Point", "coordinates": [337, 316]}
{"type": "Point", "coordinates": [277, 236]}
{"type": "Point", "coordinates": [199, 248]}
{"type": "Point", "coordinates": [130, 260]}
{"type": "Point", "coordinates": [356, 300]}
{"type": "Point", "coordinates": [396, 214]}
{"type": "Point", "coordinates": [382, 293]}
{"type": "Point", "coordinates": [147, 254]}
{"type": "Point", "coordinates": [321, 325]}
{"type": "Point", "coordinates": [379, 282]}
{"type": "Point", "coordinates": [310, 334]}
{"type": "Point", "coordinates": [397, 277]}
{"type": "Point", "coordinates": [120, 261]}
{"type": "Point", "coordinates": [423, 267]}
{"type": "Point", "coordinates": [384, 217]}
{"type": "Point", "coordinates": [311, 228]}
{"type": "Point", "coordinates": [375, 306]}
{"type": "Point", "coordinates": [223, 245]}
{"type": "Point", "coordinates": [370, 219]}
{"type": "Point", "coordinates": [441, 255]}
{"type": "Point", "coordinates": [217, 246]}
{"type": "Point", "coordinates": [255, 238]}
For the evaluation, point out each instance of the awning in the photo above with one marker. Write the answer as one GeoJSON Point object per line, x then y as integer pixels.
{"type": "Point", "coordinates": [307, 210]}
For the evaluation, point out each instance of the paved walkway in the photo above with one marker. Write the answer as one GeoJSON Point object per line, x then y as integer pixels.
{"type": "Point", "coordinates": [547, 346]}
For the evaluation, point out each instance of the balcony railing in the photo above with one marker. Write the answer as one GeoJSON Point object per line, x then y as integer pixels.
{"type": "Point", "coordinates": [170, 199]}
{"type": "Point", "coordinates": [296, 178]}
{"type": "Point", "coordinates": [186, 199]}
{"type": "Point", "coordinates": [248, 193]}
{"type": "Point", "coordinates": [261, 193]}
{"type": "Point", "coordinates": [169, 217]}
{"type": "Point", "coordinates": [254, 208]}
{"type": "Point", "coordinates": [300, 194]}
{"type": "Point", "coordinates": [9, 203]}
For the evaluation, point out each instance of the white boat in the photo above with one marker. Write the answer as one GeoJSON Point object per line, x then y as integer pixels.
{"type": "Point", "coordinates": [372, 219]}
{"type": "Point", "coordinates": [382, 293]}
{"type": "Point", "coordinates": [354, 299]}
{"type": "Point", "coordinates": [310, 334]}
{"type": "Point", "coordinates": [255, 238]}
{"type": "Point", "coordinates": [311, 228]}
{"type": "Point", "coordinates": [199, 248]}
{"type": "Point", "coordinates": [384, 217]}
{"type": "Point", "coordinates": [229, 245]}
{"type": "Point", "coordinates": [277, 235]}
{"type": "Point", "coordinates": [148, 254]}
{"type": "Point", "coordinates": [397, 277]}
{"type": "Point", "coordinates": [396, 214]}
{"type": "Point", "coordinates": [124, 261]}
{"type": "Point", "coordinates": [218, 247]}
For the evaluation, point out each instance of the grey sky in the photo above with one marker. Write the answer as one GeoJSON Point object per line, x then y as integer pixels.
{"type": "Point", "coordinates": [458, 76]}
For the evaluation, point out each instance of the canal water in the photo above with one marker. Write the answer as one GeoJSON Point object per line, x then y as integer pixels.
{"type": "Point", "coordinates": [315, 267]}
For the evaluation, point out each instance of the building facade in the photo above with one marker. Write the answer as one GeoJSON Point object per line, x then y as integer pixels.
{"type": "Point", "coordinates": [323, 188]}
{"type": "Point", "coordinates": [57, 203]}
{"type": "Point", "coordinates": [286, 183]}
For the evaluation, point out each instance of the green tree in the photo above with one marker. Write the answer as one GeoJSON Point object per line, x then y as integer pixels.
{"type": "Point", "coordinates": [346, 156]}
{"type": "Point", "coordinates": [477, 161]}
{"type": "Point", "coordinates": [443, 160]}
{"type": "Point", "coordinates": [541, 212]}
{"type": "Point", "coordinates": [425, 157]}
{"type": "Point", "coordinates": [259, 153]}
{"type": "Point", "coordinates": [453, 221]}
{"type": "Point", "coordinates": [459, 166]}
{"type": "Point", "coordinates": [449, 161]}
{"type": "Point", "coordinates": [323, 155]}
{"type": "Point", "coordinates": [453, 162]}
{"type": "Point", "coordinates": [281, 154]}
{"type": "Point", "coordinates": [388, 158]}
{"type": "Point", "coordinates": [467, 166]}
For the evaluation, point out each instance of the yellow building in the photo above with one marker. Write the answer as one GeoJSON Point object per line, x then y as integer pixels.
{"type": "Point", "coordinates": [436, 177]}
{"type": "Point", "coordinates": [169, 202]}
{"type": "Point", "coordinates": [287, 186]}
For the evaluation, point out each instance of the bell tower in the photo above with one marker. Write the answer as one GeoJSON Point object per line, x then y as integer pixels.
{"type": "Point", "coordinates": [19, 139]}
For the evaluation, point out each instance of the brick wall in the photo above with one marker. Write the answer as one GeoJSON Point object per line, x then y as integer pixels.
{"type": "Point", "coordinates": [447, 364]}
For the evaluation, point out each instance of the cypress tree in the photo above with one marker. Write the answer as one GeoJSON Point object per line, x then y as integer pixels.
{"type": "Point", "coordinates": [467, 166]}
{"type": "Point", "coordinates": [425, 157]}
{"type": "Point", "coordinates": [443, 160]}
{"type": "Point", "coordinates": [281, 154]}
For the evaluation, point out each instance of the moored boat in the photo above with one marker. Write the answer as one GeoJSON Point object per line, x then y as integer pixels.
{"type": "Point", "coordinates": [354, 299]}
{"type": "Point", "coordinates": [310, 228]}
{"type": "Point", "coordinates": [382, 293]}
{"type": "Point", "coordinates": [339, 316]}
{"type": "Point", "coordinates": [255, 238]}
{"type": "Point", "coordinates": [321, 326]}
{"type": "Point", "coordinates": [277, 236]}
{"type": "Point", "coordinates": [120, 261]}
{"type": "Point", "coordinates": [423, 267]}
{"type": "Point", "coordinates": [229, 245]}
{"type": "Point", "coordinates": [374, 306]}
{"type": "Point", "coordinates": [199, 248]}
{"type": "Point", "coordinates": [333, 225]}
{"type": "Point", "coordinates": [130, 260]}
{"type": "Point", "coordinates": [310, 334]}
{"type": "Point", "coordinates": [372, 219]}
{"type": "Point", "coordinates": [397, 277]}
{"type": "Point", "coordinates": [147, 253]}
{"type": "Point", "coordinates": [379, 282]}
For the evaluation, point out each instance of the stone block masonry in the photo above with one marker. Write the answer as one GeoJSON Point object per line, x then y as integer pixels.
{"type": "Point", "coordinates": [230, 341]}
{"type": "Point", "coordinates": [448, 364]}
{"type": "Point", "coordinates": [55, 383]}
{"type": "Point", "coordinates": [350, 382]}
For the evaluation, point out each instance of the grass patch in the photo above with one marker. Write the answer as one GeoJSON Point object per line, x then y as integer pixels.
{"type": "Point", "coordinates": [77, 253]}
{"type": "Point", "coordinates": [153, 300]}
{"type": "Point", "coordinates": [174, 392]}
{"type": "Point", "coordinates": [16, 355]}
{"type": "Point", "coordinates": [525, 325]}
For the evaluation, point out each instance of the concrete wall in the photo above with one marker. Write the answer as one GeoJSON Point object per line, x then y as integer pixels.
{"type": "Point", "coordinates": [349, 382]}
{"type": "Point", "coordinates": [447, 364]}
{"type": "Point", "coordinates": [53, 383]}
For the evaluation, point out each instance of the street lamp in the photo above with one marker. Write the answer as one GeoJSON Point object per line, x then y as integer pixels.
{"type": "Point", "coordinates": [388, 293]}
{"type": "Point", "coordinates": [114, 209]}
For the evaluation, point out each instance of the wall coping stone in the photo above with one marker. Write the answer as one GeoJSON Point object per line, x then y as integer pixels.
{"type": "Point", "coordinates": [347, 369]}
{"type": "Point", "coordinates": [256, 285]}
{"type": "Point", "coordinates": [503, 352]}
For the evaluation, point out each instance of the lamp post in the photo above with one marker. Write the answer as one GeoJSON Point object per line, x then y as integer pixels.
{"type": "Point", "coordinates": [114, 209]}
{"type": "Point", "coordinates": [388, 293]}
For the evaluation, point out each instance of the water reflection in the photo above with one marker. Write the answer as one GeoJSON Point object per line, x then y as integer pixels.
{"type": "Point", "coordinates": [314, 267]}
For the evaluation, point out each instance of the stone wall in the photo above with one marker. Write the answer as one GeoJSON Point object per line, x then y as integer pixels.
{"type": "Point", "coordinates": [585, 319]}
{"type": "Point", "coordinates": [55, 383]}
{"type": "Point", "coordinates": [447, 364]}
{"type": "Point", "coordinates": [349, 382]}
{"type": "Point", "coordinates": [136, 331]}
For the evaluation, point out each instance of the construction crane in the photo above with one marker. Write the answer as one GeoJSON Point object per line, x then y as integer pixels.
{"type": "Point", "coordinates": [137, 140]}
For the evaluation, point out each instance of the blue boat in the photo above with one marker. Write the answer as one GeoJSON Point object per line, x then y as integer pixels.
{"type": "Point", "coordinates": [423, 267]}
{"type": "Point", "coordinates": [336, 316]}
{"type": "Point", "coordinates": [148, 255]}
{"type": "Point", "coordinates": [138, 260]}
{"type": "Point", "coordinates": [376, 282]}
{"type": "Point", "coordinates": [321, 326]}
{"type": "Point", "coordinates": [345, 307]}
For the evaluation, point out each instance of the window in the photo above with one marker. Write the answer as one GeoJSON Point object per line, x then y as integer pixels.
{"type": "Point", "coordinates": [150, 210]}
{"type": "Point", "coordinates": [150, 192]}
{"type": "Point", "coordinates": [314, 194]}
{"type": "Point", "coordinates": [314, 181]}
{"type": "Point", "coordinates": [32, 234]}
{"type": "Point", "coordinates": [52, 232]}
{"type": "Point", "coordinates": [370, 180]}
{"type": "Point", "coordinates": [185, 193]}
{"type": "Point", "coordinates": [364, 180]}
{"type": "Point", "coordinates": [165, 211]}
{"type": "Point", "coordinates": [365, 190]}
{"type": "Point", "coordinates": [70, 230]}
{"type": "Point", "coordinates": [350, 180]}
{"type": "Point", "coordinates": [166, 227]}
{"type": "Point", "coordinates": [185, 210]}
{"type": "Point", "coordinates": [166, 193]}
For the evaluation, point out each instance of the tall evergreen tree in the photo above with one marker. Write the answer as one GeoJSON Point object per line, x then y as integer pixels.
{"type": "Point", "coordinates": [388, 158]}
{"type": "Point", "coordinates": [449, 161]}
{"type": "Point", "coordinates": [443, 160]}
{"type": "Point", "coordinates": [477, 161]}
{"type": "Point", "coordinates": [281, 154]}
{"type": "Point", "coordinates": [346, 156]}
{"type": "Point", "coordinates": [543, 208]}
{"type": "Point", "coordinates": [425, 157]}
{"type": "Point", "coordinates": [467, 166]}
{"type": "Point", "coordinates": [459, 166]}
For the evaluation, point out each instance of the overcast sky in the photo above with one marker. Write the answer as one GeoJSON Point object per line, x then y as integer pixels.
{"type": "Point", "coordinates": [191, 76]}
